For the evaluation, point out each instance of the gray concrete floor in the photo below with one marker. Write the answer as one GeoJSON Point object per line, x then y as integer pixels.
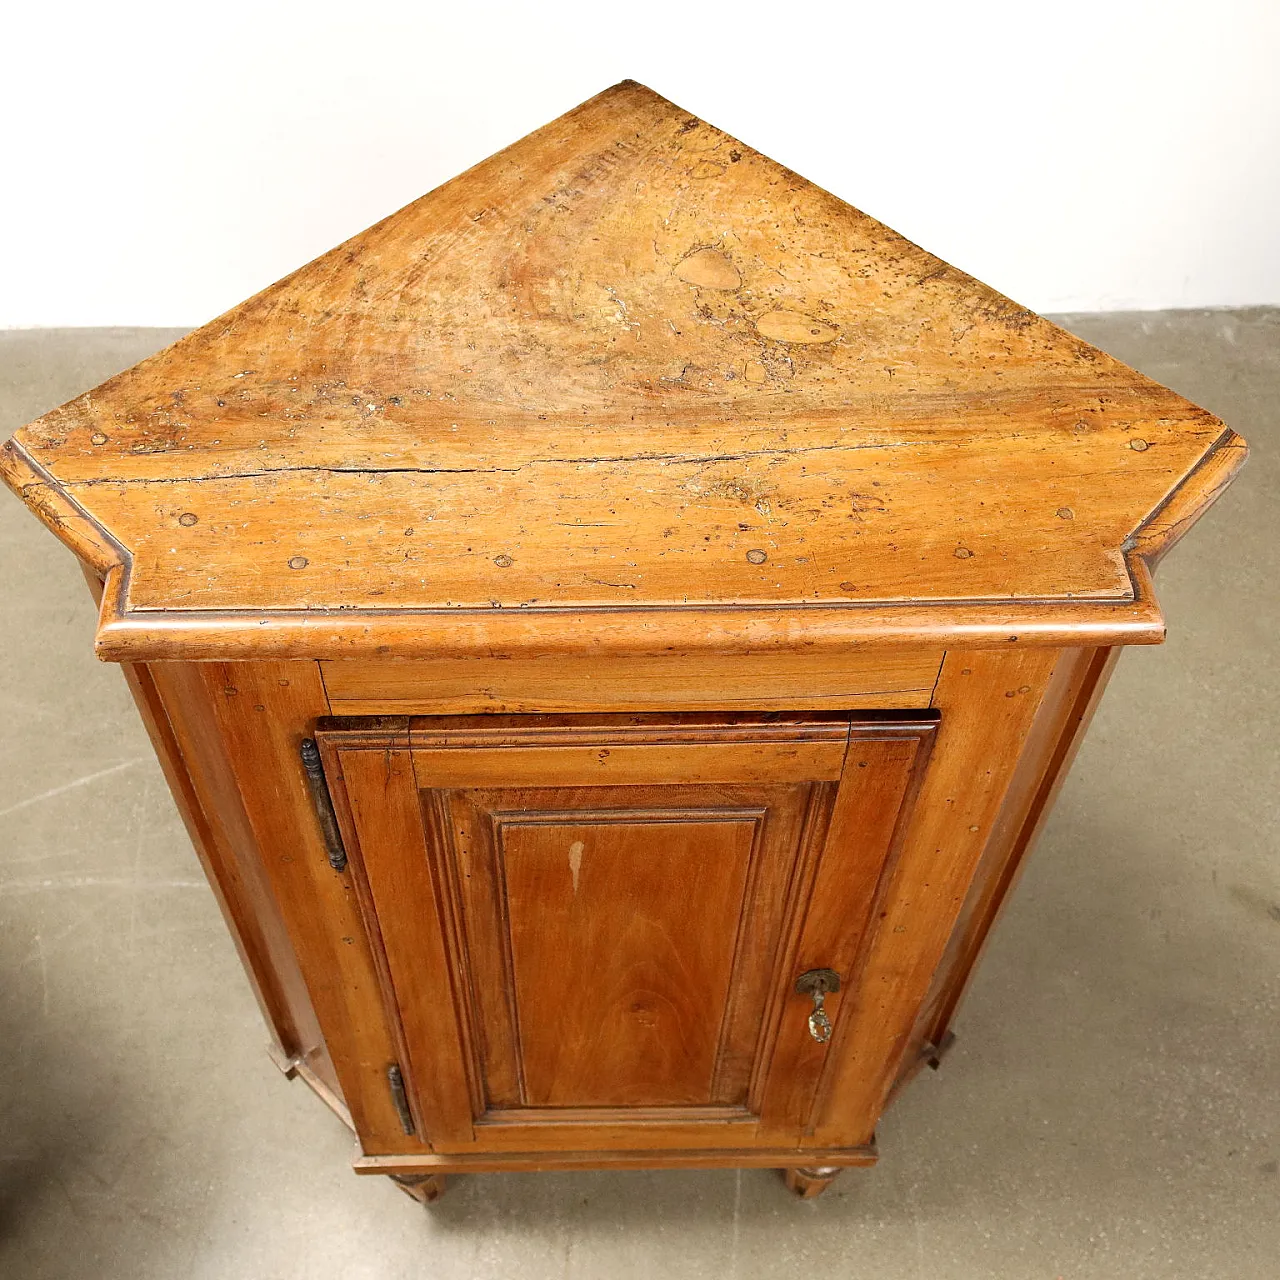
{"type": "Point", "coordinates": [1110, 1109]}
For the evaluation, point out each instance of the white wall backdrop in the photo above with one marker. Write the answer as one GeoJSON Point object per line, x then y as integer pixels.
{"type": "Point", "coordinates": [162, 161]}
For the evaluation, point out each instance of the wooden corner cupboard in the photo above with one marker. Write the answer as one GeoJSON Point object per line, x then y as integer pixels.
{"type": "Point", "coordinates": [613, 630]}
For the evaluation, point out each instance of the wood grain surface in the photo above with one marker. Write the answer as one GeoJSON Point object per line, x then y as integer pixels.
{"type": "Point", "coordinates": [878, 678]}
{"type": "Point", "coordinates": [690, 583]}
{"type": "Point", "coordinates": [574, 958]}
{"type": "Point", "coordinates": [632, 368]}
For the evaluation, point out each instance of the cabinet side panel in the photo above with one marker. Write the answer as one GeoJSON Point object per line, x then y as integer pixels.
{"type": "Point", "coordinates": [416, 917]}
{"type": "Point", "coordinates": [173, 705]}
{"type": "Point", "coordinates": [1074, 690]}
{"type": "Point", "coordinates": [989, 702]}
{"type": "Point", "coordinates": [171, 710]}
{"type": "Point", "coordinates": [262, 712]}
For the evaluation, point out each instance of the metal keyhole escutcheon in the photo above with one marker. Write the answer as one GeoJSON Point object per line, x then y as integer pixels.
{"type": "Point", "coordinates": [818, 983]}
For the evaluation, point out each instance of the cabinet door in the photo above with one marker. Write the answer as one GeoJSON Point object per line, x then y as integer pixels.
{"type": "Point", "coordinates": [590, 930]}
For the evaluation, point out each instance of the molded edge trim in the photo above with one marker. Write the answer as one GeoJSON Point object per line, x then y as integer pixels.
{"type": "Point", "coordinates": [137, 636]}
{"type": "Point", "coordinates": [1170, 519]}
{"type": "Point", "coordinates": [58, 509]}
{"type": "Point", "coordinates": [126, 635]}
{"type": "Point", "coordinates": [657, 1158]}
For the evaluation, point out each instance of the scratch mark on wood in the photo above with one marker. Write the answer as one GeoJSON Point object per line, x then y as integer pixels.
{"type": "Point", "coordinates": [575, 863]}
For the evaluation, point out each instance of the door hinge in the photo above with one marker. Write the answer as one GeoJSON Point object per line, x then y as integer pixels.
{"type": "Point", "coordinates": [323, 802]}
{"type": "Point", "coordinates": [395, 1078]}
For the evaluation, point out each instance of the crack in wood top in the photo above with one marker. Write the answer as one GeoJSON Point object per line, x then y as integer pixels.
{"type": "Point", "coordinates": [627, 368]}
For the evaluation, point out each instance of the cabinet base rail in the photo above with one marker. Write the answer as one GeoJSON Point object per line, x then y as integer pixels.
{"type": "Point", "coordinates": [532, 1161]}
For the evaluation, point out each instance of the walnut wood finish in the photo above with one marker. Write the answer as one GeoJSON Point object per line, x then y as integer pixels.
{"type": "Point", "coordinates": [811, 1182]}
{"type": "Point", "coordinates": [617, 1157]}
{"type": "Point", "coordinates": [259, 714]}
{"type": "Point", "coordinates": [896, 679]}
{"type": "Point", "coordinates": [631, 368]}
{"type": "Point", "coordinates": [171, 704]}
{"type": "Point", "coordinates": [690, 584]}
{"type": "Point", "coordinates": [1078, 681]}
{"type": "Point", "coordinates": [988, 703]}
{"type": "Point", "coordinates": [425, 1188]}
{"type": "Point", "coordinates": [621, 908]}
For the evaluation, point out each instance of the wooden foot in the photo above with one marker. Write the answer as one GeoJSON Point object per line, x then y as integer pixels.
{"type": "Point", "coordinates": [425, 1188]}
{"type": "Point", "coordinates": [807, 1183]}
{"type": "Point", "coordinates": [934, 1053]}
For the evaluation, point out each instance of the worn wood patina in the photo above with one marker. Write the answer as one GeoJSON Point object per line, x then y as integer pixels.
{"type": "Point", "coordinates": [614, 630]}
{"type": "Point", "coordinates": [632, 368]}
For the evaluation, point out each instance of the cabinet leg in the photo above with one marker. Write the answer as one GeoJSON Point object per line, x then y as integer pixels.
{"type": "Point", "coordinates": [807, 1183]}
{"type": "Point", "coordinates": [425, 1188]}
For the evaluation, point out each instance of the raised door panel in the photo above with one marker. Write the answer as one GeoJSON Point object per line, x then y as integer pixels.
{"type": "Point", "coordinates": [617, 938]}
{"type": "Point", "coordinates": [591, 929]}
{"type": "Point", "coordinates": [617, 978]}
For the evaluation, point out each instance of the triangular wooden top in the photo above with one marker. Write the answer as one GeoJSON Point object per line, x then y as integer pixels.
{"type": "Point", "coordinates": [632, 370]}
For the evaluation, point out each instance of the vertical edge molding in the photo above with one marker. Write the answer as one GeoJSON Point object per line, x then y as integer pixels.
{"type": "Point", "coordinates": [988, 700]}
{"type": "Point", "coordinates": [262, 711]}
{"type": "Point", "coordinates": [170, 707]}
{"type": "Point", "coordinates": [1075, 688]}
